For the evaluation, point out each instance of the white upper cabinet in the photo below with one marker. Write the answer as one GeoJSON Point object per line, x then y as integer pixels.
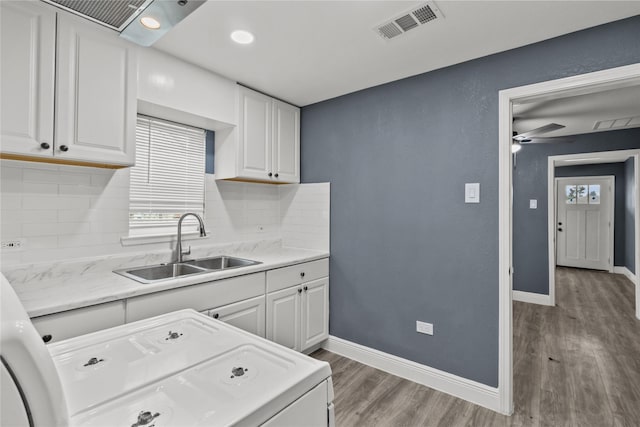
{"type": "Point", "coordinates": [255, 135]}
{"type": "Point", "coordinates": [96, 93]}
{"type": "Point", "coordinates": [27, 61]}
{"type": "Point", "coordinates": [286, 142]}
{"type": "Point", "coordinates": [268, 141]}
{"type": "Point", "coordinates": [95, 75]}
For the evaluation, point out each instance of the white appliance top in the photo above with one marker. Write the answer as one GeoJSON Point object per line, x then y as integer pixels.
{"type": "Point", "coordinates": [181, 368]}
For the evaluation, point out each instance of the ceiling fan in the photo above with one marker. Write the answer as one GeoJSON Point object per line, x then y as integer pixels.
{"type": "Point", "coordinates": [531, 137]}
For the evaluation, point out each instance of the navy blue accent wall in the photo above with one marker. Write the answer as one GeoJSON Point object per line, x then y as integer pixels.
{"type": "Point", "coordinates": [210, 151]}
{"type": "Point", "coordinates": [404, 245]}
{"type": "Point", "coordinates": [530, 243]}
{"type": "Point", "coordinates": [617, 171]}
{"type": "Point", "coordinates": [629, 216]}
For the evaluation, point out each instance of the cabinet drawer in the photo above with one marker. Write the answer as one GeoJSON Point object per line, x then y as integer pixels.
{"type": "Point", "coordinates": [282, 278]}
{"type": "Point", "coordinates": [198, 297]}
{"type": "Point", "coordinates": [72, 323]}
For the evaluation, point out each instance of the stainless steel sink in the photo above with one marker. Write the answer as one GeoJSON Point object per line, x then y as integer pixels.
{"type": "Point", "coordinates": [221, 262]}
{"type": "Point", "coordinates": [155, 273]}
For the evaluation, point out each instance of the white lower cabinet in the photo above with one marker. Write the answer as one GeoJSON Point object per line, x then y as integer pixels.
{"type": "Point", "coordinates": [247, 315]}
{"type": "Point", "coordinates": [68, 324]}
{"type": "Point", "coordinates": [298, 317]}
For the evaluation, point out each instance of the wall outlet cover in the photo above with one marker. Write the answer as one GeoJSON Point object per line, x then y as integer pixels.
{"type": "Point", "coordinates": [424, 327]}
{"type": "Point", "coordinates": [14, 245]}
{"type": "Point", "coordinates": [472, 192]}
{"type": "Point", "coordinates": [533, 204]}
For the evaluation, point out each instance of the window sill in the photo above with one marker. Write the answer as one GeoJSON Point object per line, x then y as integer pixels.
{"type": "Point", "coordinates": [157, 238]}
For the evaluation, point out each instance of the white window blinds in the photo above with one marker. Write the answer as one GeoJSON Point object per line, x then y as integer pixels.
{"type": "Point", "coordinates": [168, 178]}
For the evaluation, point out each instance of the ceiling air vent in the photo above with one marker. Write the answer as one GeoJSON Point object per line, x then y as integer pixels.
{"type": "Point", "coordinates": [617, 123]}
{"type": "Point", "coordinates": [414, 18]}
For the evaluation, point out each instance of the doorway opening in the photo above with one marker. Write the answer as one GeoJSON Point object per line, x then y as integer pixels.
{"type": "Point", "coordinates": [621, 77]}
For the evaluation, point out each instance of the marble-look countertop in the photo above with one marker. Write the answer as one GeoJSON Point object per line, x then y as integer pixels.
{"type": "Point", "coordinates": [52, 288]}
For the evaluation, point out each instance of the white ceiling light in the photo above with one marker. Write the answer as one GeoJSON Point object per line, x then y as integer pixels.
{"type": "Point", "coordinates": [242, 37]}
{"type": "Point", "coordinates": [150, 22]}
{"type": "Point", "coordinates": [515, 147]}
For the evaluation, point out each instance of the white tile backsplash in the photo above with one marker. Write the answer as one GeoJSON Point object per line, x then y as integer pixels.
{"type": "Point", "coordinates": [66, 212]}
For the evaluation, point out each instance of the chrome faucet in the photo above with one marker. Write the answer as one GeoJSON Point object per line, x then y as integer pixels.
{"type": "Point", "coordinates": [179, 244]}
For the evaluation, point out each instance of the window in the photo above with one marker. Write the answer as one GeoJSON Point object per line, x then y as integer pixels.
{"type": "Point", "coordinates": [582, 194]}
{"type": "Point", "coordinates": [168, 178]}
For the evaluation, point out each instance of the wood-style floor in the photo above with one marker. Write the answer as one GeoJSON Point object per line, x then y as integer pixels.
{"type": "Point", "coordinates": [575, 364]}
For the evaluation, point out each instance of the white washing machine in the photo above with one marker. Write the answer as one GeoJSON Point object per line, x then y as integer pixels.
{"type": "Point", "coordinates": [178, 369]}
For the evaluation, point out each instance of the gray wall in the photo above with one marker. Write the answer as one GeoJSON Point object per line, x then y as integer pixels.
{"type": "Point", "coordinates": [530, 243]}
{"type": "Point", "coordinates": [629, 216]}
{"type": "Point", "coordinates": [404, 246]}
{"type": "Point", "coordinates": [618, 172]}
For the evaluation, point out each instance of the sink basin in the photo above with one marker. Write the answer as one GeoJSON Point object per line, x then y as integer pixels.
{"type": "Point", "coordinates": [155, 273]}
{"type": "Point", "coordinates": [221, 262]}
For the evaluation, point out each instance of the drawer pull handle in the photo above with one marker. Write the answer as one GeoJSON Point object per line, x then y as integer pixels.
{"type": "Point", "coordinates": [216, 315]}
{"type": "Point", "coordinates": [306, 289]}
{"type": "Point", "coordinates": [64, 148]}
{"type": "Point", "coordinates": [302, 274]}
{"type": "Point", "coordinates": [46, 338]}
{"type": "Point", "coordinates": [299, 290]}
{"type": "Point", "coordinates": [45, 146]}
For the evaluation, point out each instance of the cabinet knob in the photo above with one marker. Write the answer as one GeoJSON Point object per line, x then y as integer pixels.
{"type": "Point", "coordinates": [45, 146]}
{"type": "Point", "coordinates": [302, 274]}
{"type": "Point", "coordinates": [306, 288]}
{"type": "Point", "coordinates": [270, 174]}
{"type": "Point", "coordinates": [46, 338]}
{"type": "Point", "coordinates": [299, 290]}
{"type": "Point", "coordinates": [64, 148]}
{"type": "Point", "coordinates": [276, 175]}
{"type": "Point", "coordinates": [216, 315]}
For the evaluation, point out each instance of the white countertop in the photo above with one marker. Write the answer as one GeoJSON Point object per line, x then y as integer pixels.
{"type": "Point", "coordinates": [47, 289]}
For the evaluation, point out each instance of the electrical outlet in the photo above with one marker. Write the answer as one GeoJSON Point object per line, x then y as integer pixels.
{"type": "Point", "coordinates": [13, 245]}
{"type": "Point", "coordinates": [424, 327]}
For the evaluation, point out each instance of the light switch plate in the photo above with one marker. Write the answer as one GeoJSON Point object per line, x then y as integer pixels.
{"type": "Point", "coordinates": [533, 204]}
{"type": "Point", "coordinates": [472, 192]}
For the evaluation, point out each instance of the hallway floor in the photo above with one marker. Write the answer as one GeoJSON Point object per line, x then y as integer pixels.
{"type": "Point", "coordinates": [576, 364]}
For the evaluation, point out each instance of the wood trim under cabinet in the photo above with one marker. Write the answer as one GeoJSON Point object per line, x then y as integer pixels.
{"type": "Point", "coordinates": [21, 157]}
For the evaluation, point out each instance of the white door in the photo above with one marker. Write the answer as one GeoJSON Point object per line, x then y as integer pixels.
{"type": "Point", "coordinates": [27, 67]}
{"type": "Point", "coordinates": [96, 94]}
{"type": "Point", "coordinates": [315, 312]}
{"type": "Point", "coordinates": [255, 135]}
{"type": "Point", "coordinates": [584, 225]}
{"type": "Point", "coordinates": [247, 315]}
{"type": "Point", "coordinates": [283, 317]}
{"type": "Point", "coordinates": [286, 142]}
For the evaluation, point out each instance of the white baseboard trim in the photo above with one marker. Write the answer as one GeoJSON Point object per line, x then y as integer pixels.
{"type": "Point", "coordinates": [634, 279]}
{"type": "Point", "coordinates": [531, 297]}
{"type": "Point", "coordinates": [626, 272]}
{"type": "Point", "coordinates": [466, 389]}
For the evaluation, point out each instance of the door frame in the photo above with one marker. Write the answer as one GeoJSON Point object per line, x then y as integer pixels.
{"type": "Point", "coordinates": [624, 76]}
{"type": "Point", "coordinates": [551, 221]}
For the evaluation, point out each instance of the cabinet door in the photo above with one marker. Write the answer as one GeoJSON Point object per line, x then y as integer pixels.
{"type": "Point", "coordinates": [247, 315]}
{"type": "Point", "coordinates": [96, 94]}
{"type": "Point", "coordinates": [283, 317]}
{"type": "Point", "coordinates": [286, 142]}
{"type": "Point", "coordinates": [72, 323]}
{"type": "Point", "coordinates": [315, 312]}
{"type": "Point", "coordinates": [27, 67]}
{"type": "Point", "coordinates": [255, 135]}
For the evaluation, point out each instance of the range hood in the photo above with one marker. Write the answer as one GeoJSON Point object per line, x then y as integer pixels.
{"type": "Point", "coordinates": [124, 16]}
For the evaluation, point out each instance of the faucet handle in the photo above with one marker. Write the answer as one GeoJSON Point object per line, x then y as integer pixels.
{"type": "Point", "coordinates": [187, 252]}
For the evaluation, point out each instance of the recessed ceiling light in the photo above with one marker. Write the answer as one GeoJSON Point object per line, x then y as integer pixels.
{"type": "Point", "coordinates": [242, 37]}
{"type": "Point", "coordinates": [150, 22]}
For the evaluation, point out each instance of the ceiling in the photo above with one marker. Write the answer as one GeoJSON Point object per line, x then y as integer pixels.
{"type": "Point", "coordinates": [308, 51]}
{"type": "Point", "coordinates": [617, 108]}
